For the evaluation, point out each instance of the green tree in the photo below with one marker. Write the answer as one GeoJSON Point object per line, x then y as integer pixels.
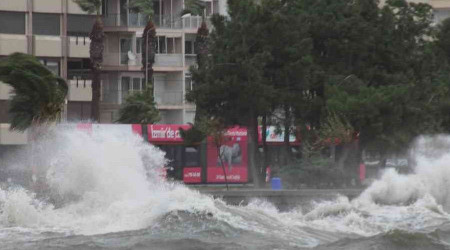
{"type": "Point", "coordinates": [139, 108]}
{"type": "Point", "coordinates": [38, 93]}
{"type": "Point", "coordinates": [288, 69]}
{"type": "Point", "coordinates": [95, 51]}
{"type": "Point", "coordinates": [231, 85]}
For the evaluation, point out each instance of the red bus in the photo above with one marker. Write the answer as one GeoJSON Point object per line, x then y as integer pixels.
{"type": "Point", "coordinates": [200, 164]}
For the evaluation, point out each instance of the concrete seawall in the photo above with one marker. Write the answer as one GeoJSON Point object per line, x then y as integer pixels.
{"type": "Point", "coordinates": [283, 199]}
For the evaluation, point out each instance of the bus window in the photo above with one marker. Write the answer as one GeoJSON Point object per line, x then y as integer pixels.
{"type": "Point", "coordinates": [192, 157]}
{"type": "Point", "coordinates": [174, 157]}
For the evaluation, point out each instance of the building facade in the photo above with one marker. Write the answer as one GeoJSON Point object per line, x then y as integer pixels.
{"type": "Point", "coordinates": [57, 33]}
{"type": "Point", "coordinates": [174, 55]}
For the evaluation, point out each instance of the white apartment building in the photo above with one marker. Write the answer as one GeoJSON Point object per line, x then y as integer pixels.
{"type": "Point", "coordinates": [56, 32]}
{"type": "Point", "coordinates": [174, 55]}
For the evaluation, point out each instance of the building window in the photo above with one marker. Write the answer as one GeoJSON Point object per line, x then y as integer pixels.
{"type": "Point", "coordinates": [138, 45]}
{"type": "Point", "coordinates": [189, 47]}
{"type": "Point", "coordinates": [46, 24]}
{"type": "Point", "coordinates": [79, 25]}
{"type": "Point", "coordinates": [192, 157]}
{"type": "Point", "coordinates": [105, 10]}
{"type": "Point", "coordinates": [12, 22]}
{"type": "Point", "coordinates": [189, 85]}
{"type": "Point", "coordinates": [161, 45]}
{"type": "Point", "coordinates": [125, 47]}
{"type": "Point", "coordinates": [78, 68]}
{"type": "Point", "coordinates": [125, 87]}
{"type": "Point", "coordinates": [52, 65]}
{"type": "Point", "coordinates": [137, 84]}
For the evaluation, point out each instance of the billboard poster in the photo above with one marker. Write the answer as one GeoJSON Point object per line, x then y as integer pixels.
{"type": "Point", "coordinates": [233, 152]}
{"type": "Point", "coordinates": [275, 136]}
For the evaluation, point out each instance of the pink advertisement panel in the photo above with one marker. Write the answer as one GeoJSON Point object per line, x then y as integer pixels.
{"type": "Point", "coordinates": [192, 175]}
{"type": "Point", "coordinates": [233, 152]}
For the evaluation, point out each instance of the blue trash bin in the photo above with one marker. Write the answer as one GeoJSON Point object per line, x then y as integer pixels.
{"type": "Point", "coordinates": [276, 184]}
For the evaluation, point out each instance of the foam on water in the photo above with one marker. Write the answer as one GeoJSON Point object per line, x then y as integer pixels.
{"type": "Point", "coordinates": [108, 181]}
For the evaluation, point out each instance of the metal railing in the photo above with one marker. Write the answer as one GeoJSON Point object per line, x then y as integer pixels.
{"type": "Point", "coordinates": [114, 96]}
{"type": "Point", "coordinates": [194, 22]}
{"type": "Point", "coordinates": [169, 97]}
{"type": "Point", "coordinates": [140, 21]}
{"type": "Point", "coordinates": [161, 60]}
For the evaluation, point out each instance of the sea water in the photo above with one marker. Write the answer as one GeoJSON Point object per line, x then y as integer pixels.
{"type": "Point", "coordinates": [103, 190]}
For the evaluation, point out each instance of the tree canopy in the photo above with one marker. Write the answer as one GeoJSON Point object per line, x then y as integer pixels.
{"type": "Point", "coordinates": [382, 68]}
{"type": "Point", "coordinates": [139, 107]}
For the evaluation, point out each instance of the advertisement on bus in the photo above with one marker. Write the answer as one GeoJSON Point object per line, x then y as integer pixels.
{"type": "Point", "coordinates": [233, 155]}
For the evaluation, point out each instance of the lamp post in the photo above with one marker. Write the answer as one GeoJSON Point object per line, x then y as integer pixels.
{"type": "Point", "coordinates": [146, 58]}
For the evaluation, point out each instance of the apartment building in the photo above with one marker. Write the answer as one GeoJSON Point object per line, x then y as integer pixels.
{"type": "Point", "coordinates": [174, 55]}
{"type": "Point", "coordinates": [56, 32]}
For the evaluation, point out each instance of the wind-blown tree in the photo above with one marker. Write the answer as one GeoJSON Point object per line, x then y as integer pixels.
{"type": "Point", "coordinates": [95, 51]}
{"type": "Point", "coordinates": [38, 93]}
{"type": "Point", "coordinates": [148, 37]}
{"type": "Point", "coordinates": [139, 108]}
{"type": "Point", "coordinates": [231, 86]}
{"type": "Point", "coordinates": [289, 66]}
{"type": "Point", "coordinates": [197, 7]}
{"type": "Point", "coordinates": [441, 76]}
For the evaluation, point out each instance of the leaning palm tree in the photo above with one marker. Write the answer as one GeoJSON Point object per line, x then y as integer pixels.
{"type": "Point", "coordinates": [38, 93]}
{"type": "Point", "coordinates": [197, 7]}
{"type": "Point", "coordinates": [149, 38]}
{"type": "Point", "coordinates": [96, 52]}
{"type": "Point", "coordinates": [139, 108]}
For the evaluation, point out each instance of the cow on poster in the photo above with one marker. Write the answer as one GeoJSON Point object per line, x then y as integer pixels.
{"type": "Point", "coordinates": [234, 158]}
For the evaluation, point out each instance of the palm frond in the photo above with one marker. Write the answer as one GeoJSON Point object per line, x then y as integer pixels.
{"type": "Point", "coordinates": [90, 6]}
{"type": "Point", "coordinates": [142, 6]}
{"type": "Point", "coordinates": [194, 7]}
{"type": "Point", "coordinates": [139, 108]}
{"type": "Point", "coordinates": [38, 93]}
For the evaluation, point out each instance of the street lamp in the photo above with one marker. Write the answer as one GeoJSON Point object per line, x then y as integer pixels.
{"type": "Point", "coordinates": [146, 58]}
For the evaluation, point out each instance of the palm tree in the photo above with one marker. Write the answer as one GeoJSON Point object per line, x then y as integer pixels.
{"type": "Point", "coordinates": [39, 94]}
{"type": "Point", "coordinates": [96, 52]}
{"type": "Point", "coordinates": [139, 108]}
{"type": "Point", "coordinates": [149, 38]}
{"type": "Point", "coordinates": [197, 7]}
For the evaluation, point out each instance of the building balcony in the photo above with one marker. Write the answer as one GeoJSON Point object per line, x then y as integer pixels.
{"type": "Point", "coordinates": [73, 8]}
{"type": "Point", "coordinates": [48, 6]}
{"type": "Point", "coordinates": [137, 20]}
{"type": "Point", "coordinates": [168, 60]}
{"type": "Point", "coordinates": [6, 91]}
{"type": "Point", "coordinates": [192, 23]}
{"type": "Point", "coordinates": [169, 99]}
{"type": "Point", "coordinates": [13, 5]}
{"type": "Point", "coordinates": [47, 46]}
{"type": "Point", "coordinates": [8, 137]}
{"type": "Point", "coordinates": [79, 47]}
{"type": "Point", "coordinates": [133, 62]}
{"type": "Point", "coordinates": [190, 59]}
{"type": "Point", "coordinates": [439, 4]}
{"type": "Point", "coordinates": [13, 43]}
{"type": "Point", "coordinates": [79, 90]}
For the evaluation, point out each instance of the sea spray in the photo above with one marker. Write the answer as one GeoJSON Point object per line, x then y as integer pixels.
{"type": "Point", "coordinates": [107, 184]}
